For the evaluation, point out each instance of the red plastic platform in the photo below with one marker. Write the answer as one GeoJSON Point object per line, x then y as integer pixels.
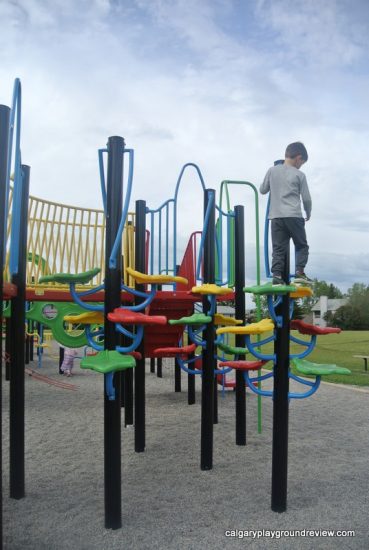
{"type": "Point", "coordinates": [305, 328]}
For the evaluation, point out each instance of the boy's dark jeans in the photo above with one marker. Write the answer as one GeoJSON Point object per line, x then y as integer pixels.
{"type": "Point", "coordinates": [284, 229]}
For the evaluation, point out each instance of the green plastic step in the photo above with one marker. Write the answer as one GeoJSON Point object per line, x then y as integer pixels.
{"type": "Point", "coordinates": [108, 361]}
{"type": "Point", "coordinates": [195, 319]}
{"type": "Point", "coordinates": [232, 350]}
{"type": "Point", "coordinates": [67, 278]}
{"type": "Point", "coordinates": [307, 367]}
{"type": "Point", "coordinates": [268, 288]}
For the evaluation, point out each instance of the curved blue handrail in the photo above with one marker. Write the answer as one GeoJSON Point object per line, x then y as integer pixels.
{"type": "Point", "coordinates": [187, 165]}
{"type": "Point", "coordinates": [210, 205]}
{"type": "Point", "coordinates": [252, 345]}
{"type": "Point", "coordinates": [15, 119]}
{"type": "Point", "coordinates": [77, 298]}
{"type": "Point", "coordinates": [102, 176]}
{"type": "Point", "coordinates": [249, 382]}
{"type": "Point", "coordinates": [118, 238]}
{"type": "Point", "coordinates": [90, 338]}
{"type": "Point", "coordinates": [266, 240]}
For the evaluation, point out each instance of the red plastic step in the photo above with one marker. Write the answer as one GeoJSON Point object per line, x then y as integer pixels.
{"type": "Point", "coordinates": [136, 354]}
{"type": "Point", "coordinates": [173, 351]}
{"type": "Point", "coordinates": [9, 290]}
{"type": "Point", "coordinates": [305, 328]}
{"type": "Point", "coordinates": [128, 317]}
{"type": "Point", "coordinates": [243, 365]}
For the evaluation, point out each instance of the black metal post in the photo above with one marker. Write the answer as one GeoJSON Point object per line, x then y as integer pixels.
{"type": "Point", "coordinates": [177, 377]}
{"type": "Point", "coordinates": [159, 367]}
{"type": "Point", "coordinates": [280, 404]}
{"type": "Point", "coordinates": [207, 389]}
{"type": "Point", "coordinates": [159, 361]}
{"type": "Point", "coordinates": [4, 139]}
{"type": "Point", "coordinates": [177, 368]}
{"type": "Point", "coordinates": [127, 387]}
{"type": "Point", "coordinates": [128, 398]}
{"type": "Point", "coordinates": [152, 364]}
{"type": "Point", "coordinates": [7, 345]}
{"type": "Point", "coordinates": [61, 358]}
{"type": "Point", "coordinates": [191, 384]}
{"type": "Point", "coordinates": [113, 278]}
{"type": "Point", "coordinates": [140, 364]}
{"type": "Point", "coordinates": [18, 331]}
{"type": "Point", "coordinates": [240, 314]}
{"type": "Point", "coordinates": [31, 343]}
{"type": "Point", "coordinates": [27, 342]}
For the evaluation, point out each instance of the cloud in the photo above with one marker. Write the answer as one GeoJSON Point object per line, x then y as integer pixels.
{"type": "Point", "coordinates": [321, 35]}
{"type": "Point", "coordinates": [224, 84]}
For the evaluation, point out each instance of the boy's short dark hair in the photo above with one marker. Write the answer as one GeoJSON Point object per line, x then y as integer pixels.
{"type": "Point", "coordinates": [295, 149]}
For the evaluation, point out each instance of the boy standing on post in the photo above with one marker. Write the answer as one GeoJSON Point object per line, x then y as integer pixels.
{"type": "Point", "coordinates": [287, 187]}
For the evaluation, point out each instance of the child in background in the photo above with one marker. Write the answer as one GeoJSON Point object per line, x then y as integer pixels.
{"type": "Point", "coordinates": [68, 362]}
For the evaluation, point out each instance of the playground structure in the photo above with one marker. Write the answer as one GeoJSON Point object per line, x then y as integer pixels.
{"type": "Point", "coordinates": [114, 293]}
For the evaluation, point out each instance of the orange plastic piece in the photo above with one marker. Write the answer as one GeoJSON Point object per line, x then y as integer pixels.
{"type": "Point", "coordinates": [128, 317]}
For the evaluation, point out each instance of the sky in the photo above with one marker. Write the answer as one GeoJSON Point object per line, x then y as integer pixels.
{"type": "Point", "coordinates": [225, 84]}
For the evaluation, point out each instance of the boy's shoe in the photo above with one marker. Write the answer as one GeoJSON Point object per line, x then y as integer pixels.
{"type": "Point", "coordinates": [67, 373]}
{"type": "Point", "coordinates": [278, 281]}
{"type": "Point", "coordinates": [302, 278]}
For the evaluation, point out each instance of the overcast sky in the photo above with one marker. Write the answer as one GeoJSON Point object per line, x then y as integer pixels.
{"type": "Point", "coordinates": [226, 84]}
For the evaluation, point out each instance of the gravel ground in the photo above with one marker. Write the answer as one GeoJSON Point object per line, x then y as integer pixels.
{"type": "Point", "coordinates": [167, 501]}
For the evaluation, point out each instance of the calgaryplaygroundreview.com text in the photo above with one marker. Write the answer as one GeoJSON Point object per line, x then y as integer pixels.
{"type": "Point", "coordinates": [287, 533]}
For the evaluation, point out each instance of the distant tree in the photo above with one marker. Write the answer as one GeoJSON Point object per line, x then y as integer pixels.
{"type": "Point", "coordinates": [299, 311]}
{"type": "Point", "coordinates": [355, 314]}
{"type": "Point", "coordinates": [321, 288]}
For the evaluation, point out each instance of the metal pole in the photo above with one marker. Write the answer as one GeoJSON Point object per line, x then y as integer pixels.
{"type": "Point", "coordinates": [240, 314]}
{"type": "Point", "coordinates": [177, 377]}
{"type": "Point", "coordinates": [140, 364]}
{"type": "Point", "coordinates": [7, 345]}
{"type": "Point", "coordinates": [127, 388]}
{"type": "Point", "coordinates": [207, 388]}
{"type": "Point", "coordinates": [18, 331]}
{"type": "Point", "coordinates": [159, 367]}
{"type": "Point", "coordinates": [191, 384]}
{"type": "Point", "coordinates": [61, 358]}
{"type": "Point", "coordinates": [4, 138]}
{"type": "Point", "coordinates": [113, 278]}
{"type": "Point", "coordinates": [159, 361]}
{"type": "Point", "coordinates": [280, 404]}
{"type": "Point", "coordinates": [31, 343]}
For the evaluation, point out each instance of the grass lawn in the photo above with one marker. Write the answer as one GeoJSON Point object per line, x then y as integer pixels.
{"type": "Point", "coordinates": [337, 349]}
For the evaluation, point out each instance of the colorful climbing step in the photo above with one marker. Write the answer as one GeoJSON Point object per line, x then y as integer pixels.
{"type": "Point", "coordinates": [107, 361]}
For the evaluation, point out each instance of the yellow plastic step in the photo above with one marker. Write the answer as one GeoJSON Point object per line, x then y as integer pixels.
{"type": "Point", "coordinates": [143, 278]}
{"type": "Point", "coordinates": [265, 325]}
{"type": "Point", "coordinates": [209, 288]}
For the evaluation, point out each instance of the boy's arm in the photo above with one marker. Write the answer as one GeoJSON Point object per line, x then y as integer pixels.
{"type": "Point", "coordinates": [306, 198]}
{"type": "Point", "coordinates": [265, 186]}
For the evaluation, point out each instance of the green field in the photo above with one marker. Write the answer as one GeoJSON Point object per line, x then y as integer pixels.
{"type": "Point", "coordinates": [338, 349]}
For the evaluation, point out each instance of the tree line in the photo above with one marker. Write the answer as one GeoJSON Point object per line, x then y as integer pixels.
{"type": "Point", "coordinates": [353, 315]}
